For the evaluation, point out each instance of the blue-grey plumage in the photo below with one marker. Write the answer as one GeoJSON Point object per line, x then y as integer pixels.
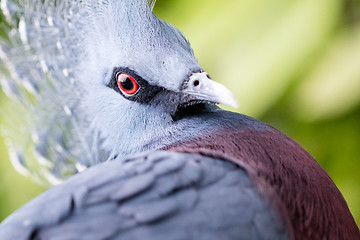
{"type": "Point", "coordinates": [60, 62]}
{"type": "Point", "coordinates": [159, 195]}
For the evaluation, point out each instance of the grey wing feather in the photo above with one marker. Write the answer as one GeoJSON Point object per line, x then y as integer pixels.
{"type": "Point", "coordinates": [161, 195]}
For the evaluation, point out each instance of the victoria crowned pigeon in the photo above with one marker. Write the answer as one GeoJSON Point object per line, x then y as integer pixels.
{"type": "Point", "coordinates": [107, 90]}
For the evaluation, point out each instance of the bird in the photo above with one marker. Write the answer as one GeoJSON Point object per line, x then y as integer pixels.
{"type": "Point", "coordinates": [113, 108]}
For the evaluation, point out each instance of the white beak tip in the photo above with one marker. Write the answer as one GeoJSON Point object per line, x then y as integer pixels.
{"type": "Point", "coordinates": [230, 100]}
{"type": "Point", "coordinates": [235, 105]}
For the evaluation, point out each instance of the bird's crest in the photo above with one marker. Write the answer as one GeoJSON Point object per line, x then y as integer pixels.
{"type": "Point", "coordinates": [47, 131]}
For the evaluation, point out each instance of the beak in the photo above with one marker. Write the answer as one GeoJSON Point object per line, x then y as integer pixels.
{"type": "Point", "coordinates": [202, 87]}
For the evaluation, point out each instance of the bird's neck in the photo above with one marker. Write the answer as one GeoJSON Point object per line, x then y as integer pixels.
{"type": "Point", "coordinates": [187, 129]}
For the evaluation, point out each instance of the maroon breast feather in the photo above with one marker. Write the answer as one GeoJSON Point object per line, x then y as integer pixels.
{"type": "Point", "coordinates": [297, 186]}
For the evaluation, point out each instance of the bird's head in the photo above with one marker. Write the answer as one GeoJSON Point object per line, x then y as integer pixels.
{"type": "Point", "coordinates": [141, 77]}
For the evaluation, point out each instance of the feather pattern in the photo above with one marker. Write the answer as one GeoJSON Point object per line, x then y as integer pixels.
{"type": "Point", "coordinates": [47, 49]}
{"type": "Point", "coordinates": [145, 196]}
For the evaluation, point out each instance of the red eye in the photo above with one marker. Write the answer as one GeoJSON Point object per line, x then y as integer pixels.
{"type": "Point", "coordinates": [127, 84]}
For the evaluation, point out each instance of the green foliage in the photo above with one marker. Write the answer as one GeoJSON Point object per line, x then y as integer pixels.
{"type": "Point", "coordinates": [15, 189]}
{"type": "Point", "coordinates": [293, 64]}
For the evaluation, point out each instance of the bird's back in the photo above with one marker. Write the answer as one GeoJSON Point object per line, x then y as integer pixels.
{"type": "Point", "coordinates": [299, 188]}
{"type": "Point", "coordinates": [160, 195]}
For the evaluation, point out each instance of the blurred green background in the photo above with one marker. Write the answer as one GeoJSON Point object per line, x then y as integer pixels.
{"type": "Point", "coordinates": [292, 64]}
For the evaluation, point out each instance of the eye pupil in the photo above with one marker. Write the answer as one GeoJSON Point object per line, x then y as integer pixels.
{"type": "Point", "coordinates": [127, 84]}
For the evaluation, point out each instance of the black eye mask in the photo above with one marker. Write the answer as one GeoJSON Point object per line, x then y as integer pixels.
{"type": "Point", "coordinates": [145, 91]}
